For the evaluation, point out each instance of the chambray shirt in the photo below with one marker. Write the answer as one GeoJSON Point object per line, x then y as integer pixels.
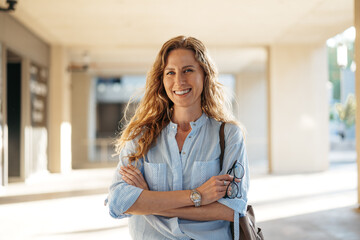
{"type": "Point", "coordinates": [165, 169]}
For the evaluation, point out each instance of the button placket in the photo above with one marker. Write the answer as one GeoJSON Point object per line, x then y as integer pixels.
{"type": "Point", "coordinates": [176, 161]}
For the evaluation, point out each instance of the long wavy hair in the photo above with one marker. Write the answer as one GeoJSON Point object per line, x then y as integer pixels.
{"type": "Point", "coordinates": [155, 108]}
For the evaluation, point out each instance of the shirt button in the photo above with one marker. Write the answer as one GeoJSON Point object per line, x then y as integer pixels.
{"type": "Point", "coordinates": [194, 124]}
{"type": "Point", "coordinates": [189, 136]}
{"type": "Point", "coordinates": [173, 127]}
{"type": "Point", "coordinates": [183, 153]}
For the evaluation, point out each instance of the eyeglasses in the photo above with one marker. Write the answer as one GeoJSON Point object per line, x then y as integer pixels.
{"type": "Point", "coordinates": [233, 190]}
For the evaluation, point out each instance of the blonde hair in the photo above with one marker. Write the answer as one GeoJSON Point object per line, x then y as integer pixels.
{"type": "Point", "coordinates": [154, 110]}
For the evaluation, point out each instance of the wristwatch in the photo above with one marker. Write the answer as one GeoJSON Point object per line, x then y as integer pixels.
{"type": "Point", "coordinates": [195, 196]}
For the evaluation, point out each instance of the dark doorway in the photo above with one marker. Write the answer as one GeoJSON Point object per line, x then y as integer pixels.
{"type": "Point", "coordinates": [14, 113]}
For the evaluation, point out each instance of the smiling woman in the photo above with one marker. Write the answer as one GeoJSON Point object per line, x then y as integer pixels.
{"type": "Point", "coordinates": [183, 80]}
{"type": "Point", "coordinates": [168, 180]}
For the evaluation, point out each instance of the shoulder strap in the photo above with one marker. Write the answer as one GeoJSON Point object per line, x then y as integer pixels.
{"type": "Point", "coordinates": [222, 144]}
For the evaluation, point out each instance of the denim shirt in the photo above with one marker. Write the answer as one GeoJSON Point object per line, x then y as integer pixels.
{"type": "Point", "coordinates": [165, 169]}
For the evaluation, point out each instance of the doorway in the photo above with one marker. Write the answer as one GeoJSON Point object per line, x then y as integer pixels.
{"type": "Point", "coordinates": [13, 82]}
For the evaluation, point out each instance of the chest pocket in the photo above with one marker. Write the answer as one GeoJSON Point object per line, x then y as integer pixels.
{"type": "Point", "coordinates": [155, 175]}
{"type": "Point", "coordinates": [203, 170]}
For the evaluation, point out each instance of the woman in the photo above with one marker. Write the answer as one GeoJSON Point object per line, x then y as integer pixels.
{"type": "Point", "coordinates": [168, 179]}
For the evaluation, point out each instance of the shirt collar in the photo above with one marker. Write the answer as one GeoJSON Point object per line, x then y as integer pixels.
{"type": "Point", "coordinates": [172, 127]}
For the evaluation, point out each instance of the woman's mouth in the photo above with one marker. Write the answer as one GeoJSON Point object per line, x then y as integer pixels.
{"type": "Point", "coordinates": [182, 92]}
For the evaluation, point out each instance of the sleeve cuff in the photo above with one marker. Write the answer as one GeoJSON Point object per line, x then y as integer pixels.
{"type": "Point", "coordinates": [238, 205]}
{"type": "Point", "coordinates": [122, 199]}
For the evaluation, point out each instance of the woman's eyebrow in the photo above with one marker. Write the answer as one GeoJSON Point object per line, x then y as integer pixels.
{"type": "Point", "coordinates": [192, 66]}
{"type": "Point", "coordinates": [187, 66]}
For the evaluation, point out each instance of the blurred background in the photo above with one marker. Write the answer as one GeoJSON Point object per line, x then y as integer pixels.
{"type": "Point", "coordinates": [69, 68]}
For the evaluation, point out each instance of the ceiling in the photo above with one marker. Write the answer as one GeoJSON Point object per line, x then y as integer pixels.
{"type": "Point", "coordinates": [123, 36]}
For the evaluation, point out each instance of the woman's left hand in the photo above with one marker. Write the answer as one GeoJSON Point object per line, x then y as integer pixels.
{"type": "Point", "coordinates": [131, 175]}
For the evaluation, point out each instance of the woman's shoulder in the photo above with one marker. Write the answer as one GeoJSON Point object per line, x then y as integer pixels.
{"type": "Point", "coordinates": [132, 144]}
{"type": "Point", "coordinates": [234, 131]}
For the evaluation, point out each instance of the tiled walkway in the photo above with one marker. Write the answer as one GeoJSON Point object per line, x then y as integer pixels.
{"type": "Point", "coordinates": [318, 206]}
{"type": "Point", "coordinates": [302, 206]}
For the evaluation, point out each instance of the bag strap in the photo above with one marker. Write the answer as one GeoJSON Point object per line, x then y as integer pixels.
{"type": "Point", "coordinates": [247, 225]}
{"type": "Point", "coordinates": [222, 144]}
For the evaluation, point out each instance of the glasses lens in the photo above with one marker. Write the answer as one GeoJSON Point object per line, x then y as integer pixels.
{"type": "Point", "coordinates": [233, 190]}
{"type": "Point", "coordinates": [238, 170]}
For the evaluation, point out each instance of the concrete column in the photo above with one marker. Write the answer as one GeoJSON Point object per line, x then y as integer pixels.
{"type": "Point", "coordinates": [59, 112]}
{"type": "Point", "coordinates": [250, 96]}
{"type": "Point", "coordinates": [81, 118]}
{"type": "Point", "coordinates": [298, 108]}
{"type": "Point", "coordinates": [357, 88]}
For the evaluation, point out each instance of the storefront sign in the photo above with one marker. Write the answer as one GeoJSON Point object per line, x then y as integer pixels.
{"type": "Point", "coordinates": [39, 91]}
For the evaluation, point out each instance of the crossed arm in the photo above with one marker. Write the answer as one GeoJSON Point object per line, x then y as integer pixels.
{"type": "Point", "coordinates": [178, 203]}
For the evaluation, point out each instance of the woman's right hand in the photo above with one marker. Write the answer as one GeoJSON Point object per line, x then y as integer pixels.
{"type": "Point", "coordinates": [131, 175]}
{"type": "Point", "coordinates": [214, 188]}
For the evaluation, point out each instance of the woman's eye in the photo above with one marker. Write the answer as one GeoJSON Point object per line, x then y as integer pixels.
{"type": "Point", "coordinates": [188, 70]}
{"type": "Point", "coordinates": [170, 73]}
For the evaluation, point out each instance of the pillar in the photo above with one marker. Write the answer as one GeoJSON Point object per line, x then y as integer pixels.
{"type": "Point", "coordinates": [357, 88]}
{"type": "Point", "coordinates": [83, 117]}
{"type": "Point", "coordinates": [298, 108]}
{"type": "Point", "coordinates": [251, 111]}
{"type": "Point", "coordinates": [59, 112]}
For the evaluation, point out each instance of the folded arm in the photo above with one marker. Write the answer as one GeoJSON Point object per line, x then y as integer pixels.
{"type": "Point", "coordinates": [210, 212]}
{"type": "Point", "coordinates": [178, 203]}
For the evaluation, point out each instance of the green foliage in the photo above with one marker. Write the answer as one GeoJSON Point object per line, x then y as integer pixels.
{"type": "Point", "coordinates": [334, 72]}
{"type": "Point", "coordinates": [347, 111]}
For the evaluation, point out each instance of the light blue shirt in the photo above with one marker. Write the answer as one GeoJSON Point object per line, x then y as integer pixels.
{"type": "Point", "coordinates": [165, 169]}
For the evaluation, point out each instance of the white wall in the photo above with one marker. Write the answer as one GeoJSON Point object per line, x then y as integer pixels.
{"type": "Point", "coordinates": [19, 39]}
{"type": "Point", "coordinates": [31, 49]}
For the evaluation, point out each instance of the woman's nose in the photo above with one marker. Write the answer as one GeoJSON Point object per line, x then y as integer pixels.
{"type": "Point", "coordinates": [179, 78]}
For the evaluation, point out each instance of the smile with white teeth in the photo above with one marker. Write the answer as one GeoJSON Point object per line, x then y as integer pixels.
{"type": "Point", "coordinates": [182, 92]}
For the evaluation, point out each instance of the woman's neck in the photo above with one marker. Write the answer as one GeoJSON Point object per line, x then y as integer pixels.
{"type": "Point", "coordinates": [182, 117]}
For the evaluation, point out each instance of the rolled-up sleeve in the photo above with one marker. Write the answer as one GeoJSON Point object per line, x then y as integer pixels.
{"type": "Point", "coordinates": [122, 195]}
{"type": "Point", "coordinates": [235, 151]}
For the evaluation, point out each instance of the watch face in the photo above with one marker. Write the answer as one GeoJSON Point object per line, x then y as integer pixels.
{"type": "Point", "coordinates": [196, 196]}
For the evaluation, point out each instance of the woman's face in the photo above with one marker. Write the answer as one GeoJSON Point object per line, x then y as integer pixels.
{"type": "Point", "coordinates": [183, 79]}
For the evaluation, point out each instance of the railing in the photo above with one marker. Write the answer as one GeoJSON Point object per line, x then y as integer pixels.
{"type": "Point", "coordinates": [101, 150]}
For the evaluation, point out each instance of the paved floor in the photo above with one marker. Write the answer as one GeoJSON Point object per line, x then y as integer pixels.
{"type": "Point", "coordinates": [60, 207]}
{"type": "Point", "coordinates": [302, 206]}
{"type": "Point", "coordinates": [319, 206]}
